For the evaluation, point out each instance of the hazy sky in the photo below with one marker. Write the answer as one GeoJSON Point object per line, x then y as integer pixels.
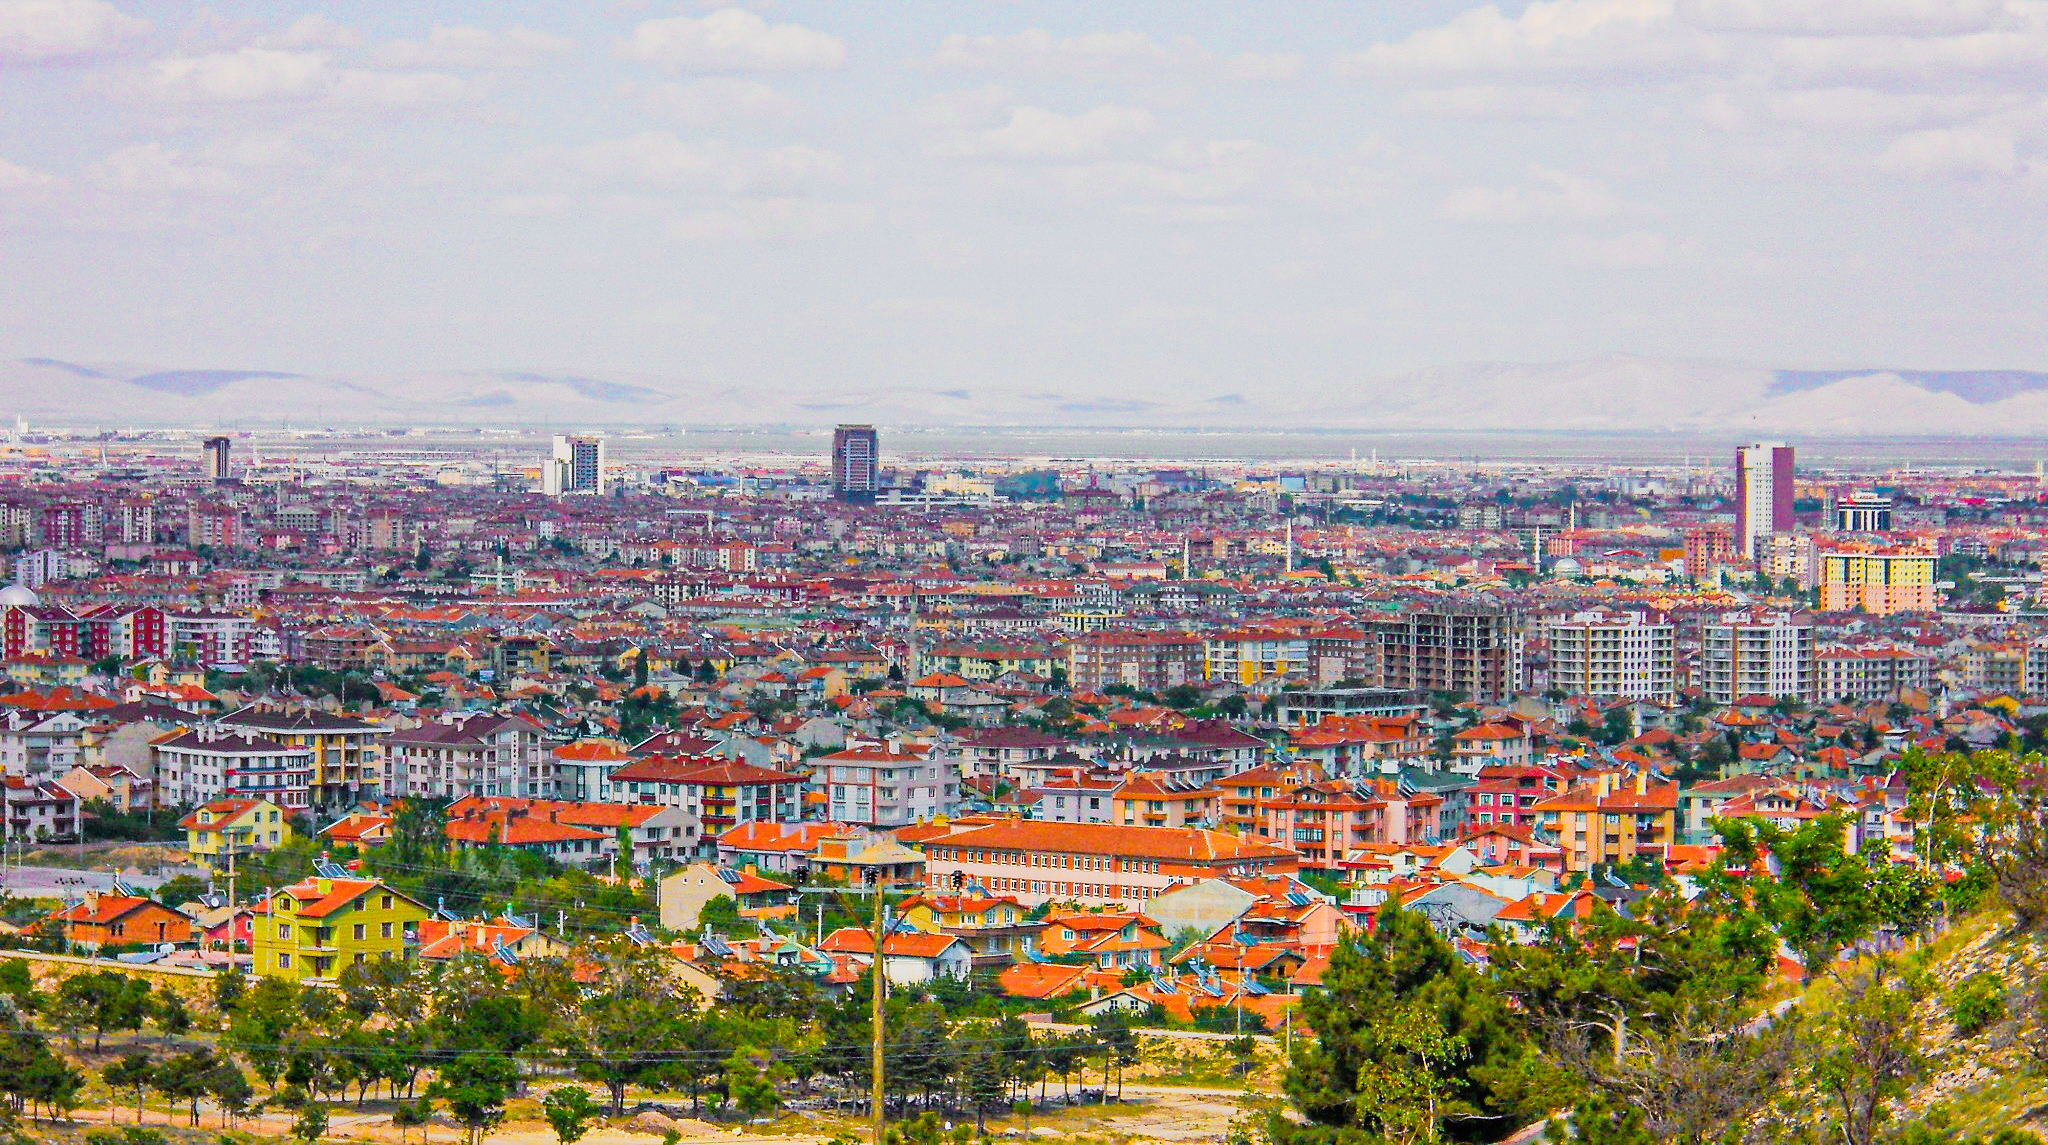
{"type": "Point", "coordinates": [1135, 195]}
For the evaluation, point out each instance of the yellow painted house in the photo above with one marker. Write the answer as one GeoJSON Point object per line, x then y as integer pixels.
{"type": "Point", "coordinates": [225, 827]}
{"type": "Point", "coordinates": [312, 929]}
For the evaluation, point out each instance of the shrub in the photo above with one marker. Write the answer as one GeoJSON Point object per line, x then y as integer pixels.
{"type": "Point", "coordinates": [1976, 1002]}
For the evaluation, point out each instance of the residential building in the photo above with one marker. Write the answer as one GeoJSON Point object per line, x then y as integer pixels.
{"type": "Point", "coordinates": [463, 754]}
{"type": "Point", "coordinates": [1254, 657]}
{"type": "Point", "coordinates": [1098, 864]}
{"type": "Point", "coordinates": [1154, 799]}
{"type": "Point", "coordinates": [574, 465]}
{"type": "Point", "coordinates": [993, 926]}
{"type": "Point", "coordinates": [1865, 673]}
{"type": "Point", "coordinates": [1147, 661]}
{"type": "Point", "coordinates": [882, 786]}
{"type": "Point", "coordinates": [347, 753]}
{"type": "Point", "coordinates": [718, 793]}
{"type": "Point", "coordinates": [104, 920]}
{"type": "Point", "coordinates": [39, 811]}
{"type": "Point", "coordinates": [1763, 493]}
{"type": "Point", "coordinates": [653, 831]}
{"type": "Point", "coordinates": [311, 930]}
{"type": "Point", "coordinates": [220, 829]}
{"type": "Point", "coordinates": [1879, 581]}
{"type": "Point", "coordinates": [1613, 819]}
{"type": "Point", "coordinates": [207, 762]}
{"type": "Point", "coordinates": [1613, 655]}
{"type": "Point", "coordinates": [1756, 653]}
{"type": "Point", "coordinates": [1466, 649]}
{"type": "Point", "coordinates": [856, 462]}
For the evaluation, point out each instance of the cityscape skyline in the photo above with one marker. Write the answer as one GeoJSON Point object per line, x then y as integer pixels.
{"type": "Point", "coordinates": [696, 570]}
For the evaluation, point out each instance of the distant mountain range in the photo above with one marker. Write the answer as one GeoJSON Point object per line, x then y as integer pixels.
{"type": "Point", "coordinates": [1613, 393]}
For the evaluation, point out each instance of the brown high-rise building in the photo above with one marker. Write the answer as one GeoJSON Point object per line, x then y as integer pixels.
{"type": "Point", "coordinates": [856, 462]}
{"type": "Point", "coordinates": [215, 453]}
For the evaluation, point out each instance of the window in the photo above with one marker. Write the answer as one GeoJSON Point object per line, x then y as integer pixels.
{"type": "Point", "coordinates": [384, 902]}
{"type": "Point", "coordinates": [360, 932]}
{"type": "Point", "coordinates": [284, 961]}
{"type": "Point", "coordinates": [284, 930]}
{"type": "Point", "coordinates": [384, 931]}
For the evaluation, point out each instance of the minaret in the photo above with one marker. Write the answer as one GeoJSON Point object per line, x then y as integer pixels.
{"type": "Point", "coordinates": [1290, 546]}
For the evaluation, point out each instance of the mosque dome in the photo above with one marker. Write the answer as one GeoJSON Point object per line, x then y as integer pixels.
{"type": "Point", "coordinates": [1566, 566]}
{"type": "Point", "coordinates": [18, 594]}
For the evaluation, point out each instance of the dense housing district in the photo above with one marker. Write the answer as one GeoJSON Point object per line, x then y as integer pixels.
{"type": "Point", "coordinates": [1112, 742]}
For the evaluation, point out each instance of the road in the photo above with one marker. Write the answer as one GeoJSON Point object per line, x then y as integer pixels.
{"type": "Point", "coordinates": [62, 882]}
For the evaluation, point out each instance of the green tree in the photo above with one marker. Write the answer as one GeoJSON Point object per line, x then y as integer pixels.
{"type": "Point", "coordinates": [1645, 1019]}
{"type": "Point", "coordinates": [628, 1024]}
{"type": "Point", "coordinates": [1405, 1079]}
{"type": "Point", "coordinates": [475, 1088]}
{"type": "Point", "coordinates": [1863, 1054]}
{"type": "Point", "coordinates": [570, 1112]}
{"type": "Point", "coordinates": [752, 1088]}
{"type": "Point", "coordinates": [311, 1124]}
{"type": "Point", "coordinates": [1368, 1024]}
{"type": "Point", "coordinates": [132, 1069]}
{"type": "Point", "coordinates": [230, 1089]}
{"type": "Point", "coordinates": [102, 1000]}
{"type": "Point", "coordinates": [1822, 898]}
{"type": "Point", "coordinates": [18, 984]}
{"type": "Point", "coordinates": [185, 1077]}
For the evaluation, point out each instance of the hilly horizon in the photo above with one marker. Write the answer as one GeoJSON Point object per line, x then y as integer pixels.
{"type": "Point", "coordinates": [1606, 394]}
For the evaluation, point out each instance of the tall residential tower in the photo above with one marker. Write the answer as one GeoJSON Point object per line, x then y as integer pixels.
{"type": "Point", "coordinates": [856, 462]}
{"type": "Point", "coordinates": [1763, 493]}
{"type": "Point", "coordinates": [574, 465]}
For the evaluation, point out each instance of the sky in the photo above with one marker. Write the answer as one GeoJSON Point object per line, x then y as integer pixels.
{"type": "Point", "coordinates": [1133, 196]}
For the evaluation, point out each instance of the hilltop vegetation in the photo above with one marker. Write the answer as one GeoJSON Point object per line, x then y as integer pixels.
{"type": "Point", "coordinates": [1921, 1018]}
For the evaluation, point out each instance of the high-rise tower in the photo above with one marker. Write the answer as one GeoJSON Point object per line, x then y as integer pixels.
{"type": "Point", "coordinates": [1763, 493]}
{"type": "Point", "coordinates": [574, 465]}
{"type": "Point", "coordinates": [214, 452]}
{"type": "Point", "coordinates": [856, 462]}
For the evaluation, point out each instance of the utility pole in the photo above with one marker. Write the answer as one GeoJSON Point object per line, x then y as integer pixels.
{"type": "Point", "coordinates": [881, 983]}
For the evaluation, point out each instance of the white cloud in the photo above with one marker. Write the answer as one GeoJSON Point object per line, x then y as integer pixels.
{"type": "Point", "coordinates": [152, 167]}
{"type": "Point", "coordinates": [1113, 52]}
{"type": "Point", "coordinates": [459, 46]}
{"type": "Point", "coordinates": [1036, 133]}
{"type": "Point", "coordinates": [1842, 17]}
{"type": "Point", "coordinates": [782, 217]}
{"type": "Point", "coordinates": [1633, 250]}
{"type": "Point", "coordinates": [1552, 195]}
{"type": "Point", "coordinates": [264, 75]}
{"type": "Point", "coordinates": [732, 40]}
{"type": "Point", "coordinates": [1775, 41]}
{"type": "Point", "coordinates": [1952, 151]}
{"type": "Point", "coordinates": [39, 30]}
{"type": "Point", "coordinates": [256, 149]}
{"type": "Point", "coordinates": [15, 177]}
{"type": "Point", "coordinates": [313, 31]}
{"type": "Point", "coordinates": [660, 160]}
{"type": "Point", "coordinates": [1549, 35]}
{"type": "Point", "coordinates": [531, 206]}
{"type": "Point", "coordinates": [976, 107]}
{"type": "Point", "coordinates": [1264, 66]}
{"type": "Point", "coordinates": [717, 99]}
{"type": "Point", "coordinates": [1183, 170]}
{"type": "Point", "coordinates": [1850, 109]}
{"type": "Point", "coordinates": [1483, 102]}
